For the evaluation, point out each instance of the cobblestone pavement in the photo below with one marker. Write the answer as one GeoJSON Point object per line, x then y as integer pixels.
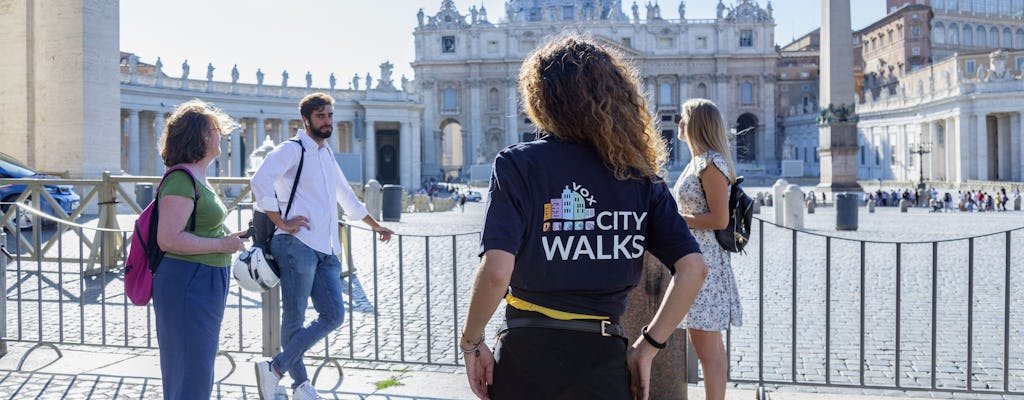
{"type": "Point", "coordinates": [406, 305]}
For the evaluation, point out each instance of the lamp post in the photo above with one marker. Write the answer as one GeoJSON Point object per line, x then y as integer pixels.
{"type": "Point", "coordinates": [921, 149]}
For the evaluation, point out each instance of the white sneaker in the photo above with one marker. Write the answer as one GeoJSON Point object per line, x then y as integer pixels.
{"type": "Point", "coordinates": [305, 391]}
{"type": "Point", "coordinates": [266, 380]}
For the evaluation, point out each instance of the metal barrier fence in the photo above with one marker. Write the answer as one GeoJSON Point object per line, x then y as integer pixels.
{"type": "Point", "coordinates": [943, 315]}
{"type": "Point", "coordinates": [826, 311]}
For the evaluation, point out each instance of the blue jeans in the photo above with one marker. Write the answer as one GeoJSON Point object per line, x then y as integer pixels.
{"type": "Point", "coordinates": [189, 300]}
{"type": "Point", "coordinates": [305, 274]}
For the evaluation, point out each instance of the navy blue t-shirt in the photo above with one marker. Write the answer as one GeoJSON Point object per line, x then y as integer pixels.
{"type": "Point", "coordinates": [578, 233]}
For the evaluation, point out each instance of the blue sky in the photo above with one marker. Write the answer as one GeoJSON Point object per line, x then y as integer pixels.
{"type": "Point", "coordinates": [346, 36]}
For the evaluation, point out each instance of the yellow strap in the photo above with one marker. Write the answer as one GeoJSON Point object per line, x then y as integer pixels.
{"type": "Point", "coordinates": [524, 305]}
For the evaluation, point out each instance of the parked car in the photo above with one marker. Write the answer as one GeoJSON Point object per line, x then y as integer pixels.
{"type": "Point", "coordinates": [11, 168]}
{"type": "Point", "coordinates": [473, 195]}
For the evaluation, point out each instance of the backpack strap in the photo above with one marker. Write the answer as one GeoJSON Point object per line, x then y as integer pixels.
{"type": "Point", "coordinates": [195, 194]}
{"type": "Point", "coordinates": [298, 173]}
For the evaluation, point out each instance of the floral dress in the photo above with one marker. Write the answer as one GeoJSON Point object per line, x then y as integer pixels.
{"type": "Point", "coordinates": [718, 303]}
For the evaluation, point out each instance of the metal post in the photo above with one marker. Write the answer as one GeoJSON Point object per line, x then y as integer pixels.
{"type": "Point", "coordinates": [4, 257]}
{"type": "Point", "coordinates": [110, 238]}
{"type": "Point", "coordinates": [271, 307]}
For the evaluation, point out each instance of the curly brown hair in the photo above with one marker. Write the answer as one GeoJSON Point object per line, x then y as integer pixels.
{"type": "Point", "coordinates": [581, 92]}
{"type": "Point", "coordinates": [183, 139]}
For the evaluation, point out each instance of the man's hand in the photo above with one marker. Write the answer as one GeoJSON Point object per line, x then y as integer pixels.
{"type": "Point", "coordinates": [293, 224]}
{"type": "Point", "coordinates": [480, 371]}
{"type": "Point", "coordinates": [385, 233]}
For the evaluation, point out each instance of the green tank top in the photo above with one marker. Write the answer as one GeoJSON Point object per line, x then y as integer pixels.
{"type": "Point", "coordinates": [210, 215]}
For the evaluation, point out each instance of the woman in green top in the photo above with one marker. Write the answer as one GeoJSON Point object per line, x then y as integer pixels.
{"type": "Point", "coordinates": [191, 285]}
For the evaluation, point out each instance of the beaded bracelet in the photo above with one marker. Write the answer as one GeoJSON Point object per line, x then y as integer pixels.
{"type": "Point", "coordinates": [475, 349]}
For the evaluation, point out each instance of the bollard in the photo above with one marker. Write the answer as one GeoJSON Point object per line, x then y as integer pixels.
{"type": "Point", "coordinates": [792, 205]}
{"type": "Point", "coordinates": [904, 205]}
{"type": "Point", "coordinates": [777, 189]}
{"type": "Point", "coordinates": [757, 206]}
{"type": "Point", "coordinates": [392, 203]}
{"type": "Point", "coordinates": [373, 198]}
{"type": "Point", "coordinates": [768, 200]}
{"type": "Point", "coordinates": [871, 206]}
{"type": "Point", "coordinates": [1016, 203]}
{"type": "Point", "coordinates": [846, 211]}
{"type": "Point", "coordinates": [668, 371]}
{"type": "Point", "coordinates": [811, 204]}
{"type": "Point", "coordinates": [271, 308]}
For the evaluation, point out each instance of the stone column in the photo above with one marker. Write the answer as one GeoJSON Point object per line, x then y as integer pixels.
{"type": "Point", "coordinates": [682, 157]}
{"type": "Point", "coordinates": [405, 155]}
{"type": "Point", "coordinates": [1016, 148]}
{"type": "Point", "coordinates": [146, 145]}
{"type": "Point", "coordinates": [431, 159]}
{"type": "Point", "coordinates": [261, 126]}
{"type": "Point", "coordinates": [370, 151]}
{"type": "Point", "coordinates": [475, 148]}
{"type": "Point", "coordinates": [282, 130]}
{"type": "Point", "coordinates": [933, 134]}
{"type": "Point", "coordinates": [133, 142]}
{"type": "Point", "coordinates": [416, 135]}
{"type": "Point", "coordinates": [235, 154]}
{"type": "Point", "coordinates": [1003, 149]}
{"type": "Point", "coordinates": [512, 111]}
{"type": "Point", "coordinates": [963, 147]}
{"type": "Point", "coordinates": [652, 94]}
{"type": "Point", "coordinates": [158, 129]}
{"type": "Point", "coordinates": [980, 149]}
{"type": "Point", "coordinates": [767, 156]}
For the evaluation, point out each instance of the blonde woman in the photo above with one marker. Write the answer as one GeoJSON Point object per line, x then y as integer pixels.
{"type": "Point", "coordinates": [703, 195]}
{"type": "Point", "coordinates": [569, 218]}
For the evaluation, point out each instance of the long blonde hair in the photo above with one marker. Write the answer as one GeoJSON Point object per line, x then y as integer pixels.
{"type": "Point", "coordinates": [580, 92]}
{"type": "Point", "coordinates": [705, 131]}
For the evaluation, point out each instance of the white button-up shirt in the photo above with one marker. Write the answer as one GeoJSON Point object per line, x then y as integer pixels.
{"type": "Point", "coordinates": [314, 197]}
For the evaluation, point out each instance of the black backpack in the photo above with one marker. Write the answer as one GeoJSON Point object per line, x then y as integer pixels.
{"type": "Point", "coordinates": [741, 212]}
{"type": "Point", "coordinates": [262, 228]}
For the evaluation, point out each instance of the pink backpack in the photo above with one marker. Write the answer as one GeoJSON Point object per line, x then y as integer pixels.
{"type": "Point", "coordinates": [145, 255]}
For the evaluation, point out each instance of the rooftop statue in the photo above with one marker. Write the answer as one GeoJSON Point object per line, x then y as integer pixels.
{"type": "Point", "coordinates": [184, 70]}
{"type": "Point", "coordinates": [209, 71]}
{"type": "Point", "coordinates": [234, 74]}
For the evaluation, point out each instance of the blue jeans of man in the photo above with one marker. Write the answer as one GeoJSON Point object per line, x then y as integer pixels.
{"type": "Point", "coordinates": [306, 274]}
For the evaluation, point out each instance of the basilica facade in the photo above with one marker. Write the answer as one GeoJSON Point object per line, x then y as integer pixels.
{"type": "Point", "coordinates": [467, 63]}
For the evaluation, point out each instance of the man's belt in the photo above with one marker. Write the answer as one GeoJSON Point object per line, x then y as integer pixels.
{"type": "Point", "coordinates": [603, 327]}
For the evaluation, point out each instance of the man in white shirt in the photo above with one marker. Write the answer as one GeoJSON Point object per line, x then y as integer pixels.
{"type": "Point", "coordinates": [306, 242]}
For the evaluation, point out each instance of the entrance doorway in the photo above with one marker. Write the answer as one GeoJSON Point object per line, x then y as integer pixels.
{"type": "Point", "coordinates": [387, 157]}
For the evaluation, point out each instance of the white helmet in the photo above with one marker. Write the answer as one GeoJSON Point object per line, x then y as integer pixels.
{"type": "Point", "coordinates": [253, 272]}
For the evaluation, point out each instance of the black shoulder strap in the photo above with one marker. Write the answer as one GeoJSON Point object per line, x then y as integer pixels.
{"type": "Point", "coordinates": [195, 195]}
{"type": "Point", "coordinates": [298, 173]}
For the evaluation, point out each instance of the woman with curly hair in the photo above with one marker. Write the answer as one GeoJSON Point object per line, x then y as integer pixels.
{"type": "Point", "coordinates": [569, 218]}
{"type": "Point", "coordinates": [190, 287]}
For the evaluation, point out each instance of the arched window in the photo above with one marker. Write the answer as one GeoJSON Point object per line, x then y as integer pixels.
{"type": "Point", "coordinates": [993, 37]}
{"type": "Point", "coordinates": [1018, 39]}
{"type": "Point", "coordinates": [968, 36]}
{"type": "Point", "coordinates": [979, 36]}
{"type": "Point", "coordinates": [747, 93]}
{"type": "Point", "coordinates": [1007, 38]}
{"type": "Point", "coordinates": [449, 102]}
{"type": "Point", "coordinates": [492, 99]}
{"type": "Point", "coordinates": [702, 91]}
{"type": "Point", "coordinates": [953, 34]}
{"type": "Point", "coordinates": [939, 33]}
{"type": "Point", "coordinates": [665, 93]}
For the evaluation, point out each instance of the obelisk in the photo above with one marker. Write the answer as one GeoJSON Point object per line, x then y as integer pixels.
{"type": "Point", "coordinates": [837, 122]}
